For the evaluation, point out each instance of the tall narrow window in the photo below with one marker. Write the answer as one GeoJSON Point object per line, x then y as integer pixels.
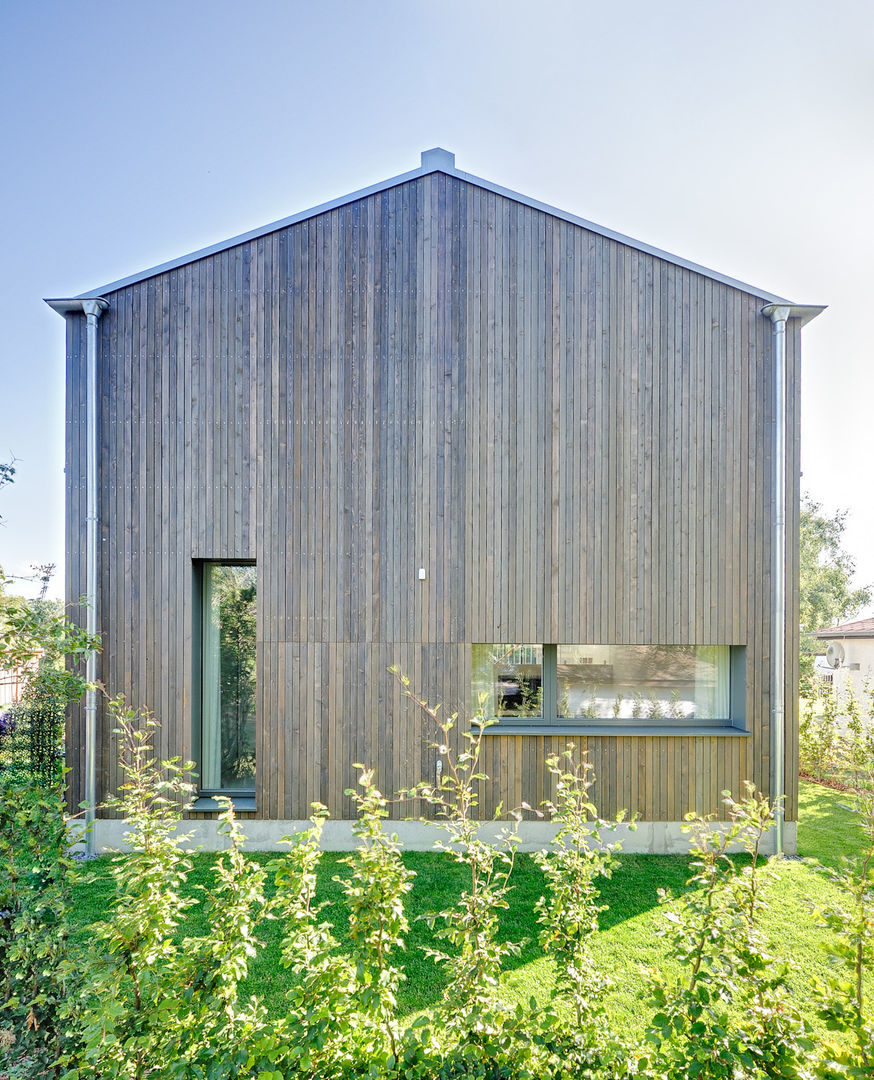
{"type": "Point", "coordinates": [227, 741]}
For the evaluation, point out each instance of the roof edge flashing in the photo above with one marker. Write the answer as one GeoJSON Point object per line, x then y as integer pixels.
{"type": "Point", "coordinates": [437, 159]}
{"type": "Point", "coordinates": [803, 312]}
{"type": "Point", "coordinates": [87, 303]}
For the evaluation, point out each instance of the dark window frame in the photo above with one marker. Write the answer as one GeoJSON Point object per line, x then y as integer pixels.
{"type": "Point", "coordinates": [246, 795]}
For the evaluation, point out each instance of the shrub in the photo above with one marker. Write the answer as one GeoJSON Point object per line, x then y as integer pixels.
{"type": "Point", "coordinates": [843, 1003]}
{"type": "Point", "coordinates": [341, 1015]}
{"type": "Point", "coordinates": [32, 736]}
{"type": "Point", "coordinates": [127, 1013]}
{"type": "Point", "coordinates": [149, 1005]}
{"type": "Point", "coordinates": [34, 840]}
{"type": "Point", "coordinates": [483, 1037]}
{"type": "Point", "coordinates": [35, 902]}
{"type": "Point", "coordinates": [836, 735]}
{"type": "Point", "coordinates": [819, 733]}
{"type": "Point", "coordinates": [375, 897]}
{"type": "Point", "coordinates": [141, 1001]}
{"type": "Point", "coordinates": [568, 915]}
{"type": "Point", "coordinates": [48, 652]}
{"type": "Point", "coordinates": [321, 1004]}
{"type": "Point", "coordinates": [728, 1013]}
{"type": "Point", "coordinates": [36, 640]}
{"type": "Point", "coordinates": [216, 1027]}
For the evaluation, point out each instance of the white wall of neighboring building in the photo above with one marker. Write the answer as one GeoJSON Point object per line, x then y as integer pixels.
{"type": "Point", "coordinates": [822, 671]}
{"type": "Point", "coordinates": [857, 669]}
{"type": "Point", "coordinates": [11, 686]}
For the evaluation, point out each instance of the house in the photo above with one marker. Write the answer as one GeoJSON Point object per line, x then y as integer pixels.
{"type": "Point", "coordinates": [439, 425]}
{"type": "Point", "coordinates": [849, 656]}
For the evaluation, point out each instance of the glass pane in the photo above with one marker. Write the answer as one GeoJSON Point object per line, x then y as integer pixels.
{"type": "Point", "coordinates": [630, 682]}
{"type": "Point", "coordinates": [508, 679]}
{"type": "Point", "coordinates": [228, 734]}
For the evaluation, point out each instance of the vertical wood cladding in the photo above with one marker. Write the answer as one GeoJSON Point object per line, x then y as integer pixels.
{"type": "Point", "coordinates": [571, 436]}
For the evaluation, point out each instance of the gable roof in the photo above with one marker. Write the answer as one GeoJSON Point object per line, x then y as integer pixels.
{"type": "Point", "coordinates": [440, 160]}
{"type": "Point", "coordinates": [859, 628]}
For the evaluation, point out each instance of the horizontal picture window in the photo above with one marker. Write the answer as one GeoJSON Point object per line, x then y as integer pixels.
{"type": "Point", "coordinates": [651, 685]}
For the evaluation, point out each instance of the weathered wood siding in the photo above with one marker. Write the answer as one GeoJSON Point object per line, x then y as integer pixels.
{"type": "Point", "coordinates": [572, 437]}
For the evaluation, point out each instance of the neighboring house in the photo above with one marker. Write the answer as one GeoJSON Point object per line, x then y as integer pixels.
{"type": "Point", "coordinates": [439, 425]}
{"type": "Point", "coordinates": [849, 657]}
{"type": "Point", "coordinates": [14, 680]}
{"type": "Point", "coordinates": [11, 685]}
{"type": "Point", "coordinates": [824, 672]}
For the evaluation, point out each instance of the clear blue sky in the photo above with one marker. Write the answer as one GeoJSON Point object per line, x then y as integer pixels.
{"type": "Point", "coordinates": [736, 134]}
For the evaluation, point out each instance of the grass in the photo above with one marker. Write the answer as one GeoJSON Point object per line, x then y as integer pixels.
{"type": "Point", "coordinates": [628, 940]}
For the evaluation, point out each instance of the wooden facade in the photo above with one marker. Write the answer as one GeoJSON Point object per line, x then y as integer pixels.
{"type": "Point", "coordinates": [570, 434]}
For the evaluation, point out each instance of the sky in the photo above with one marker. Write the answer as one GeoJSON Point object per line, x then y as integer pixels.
{"type": "Point", "coordinates": [736, 134]}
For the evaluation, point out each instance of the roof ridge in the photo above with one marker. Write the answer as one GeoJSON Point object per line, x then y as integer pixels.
{"type": "Point", "coordinates": [433, 161]}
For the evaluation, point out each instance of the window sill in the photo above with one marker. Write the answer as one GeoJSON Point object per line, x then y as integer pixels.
{"type": "Point", "coordinates": [524, 726]}
{"type": "Point", "coordinates": [207, 804]}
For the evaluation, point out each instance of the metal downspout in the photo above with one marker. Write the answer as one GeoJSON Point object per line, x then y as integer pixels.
{"type": "Point", "coordinates": [93, 310]}
{"type": "Point", "coordinates": [779, 315]}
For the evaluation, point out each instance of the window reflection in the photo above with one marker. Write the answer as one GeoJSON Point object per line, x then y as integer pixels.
{"type": "Point", "coordinates": [603, 682]}
{"type": "Point", "coordinates": [643, 682]}
{"type": "Point", "coordinates": [229, 648]}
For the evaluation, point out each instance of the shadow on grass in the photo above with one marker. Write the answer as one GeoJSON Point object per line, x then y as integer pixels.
{"type": "Point", "coordinates": [826, 831]}
{"type": "Point", "coordinates": [439, 880]}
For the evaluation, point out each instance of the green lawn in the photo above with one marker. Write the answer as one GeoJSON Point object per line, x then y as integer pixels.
{"type": "Point", "coordinates": [627, 940]}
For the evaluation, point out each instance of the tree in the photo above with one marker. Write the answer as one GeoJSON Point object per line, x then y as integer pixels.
{"type": "Point", "coordinates": [826, 570]}
{"type": "Point", "coordinates": [7, 472]}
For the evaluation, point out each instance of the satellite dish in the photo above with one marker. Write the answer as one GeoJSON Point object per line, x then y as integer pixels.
{"type": "Point", "coordinates": [834, 654]}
